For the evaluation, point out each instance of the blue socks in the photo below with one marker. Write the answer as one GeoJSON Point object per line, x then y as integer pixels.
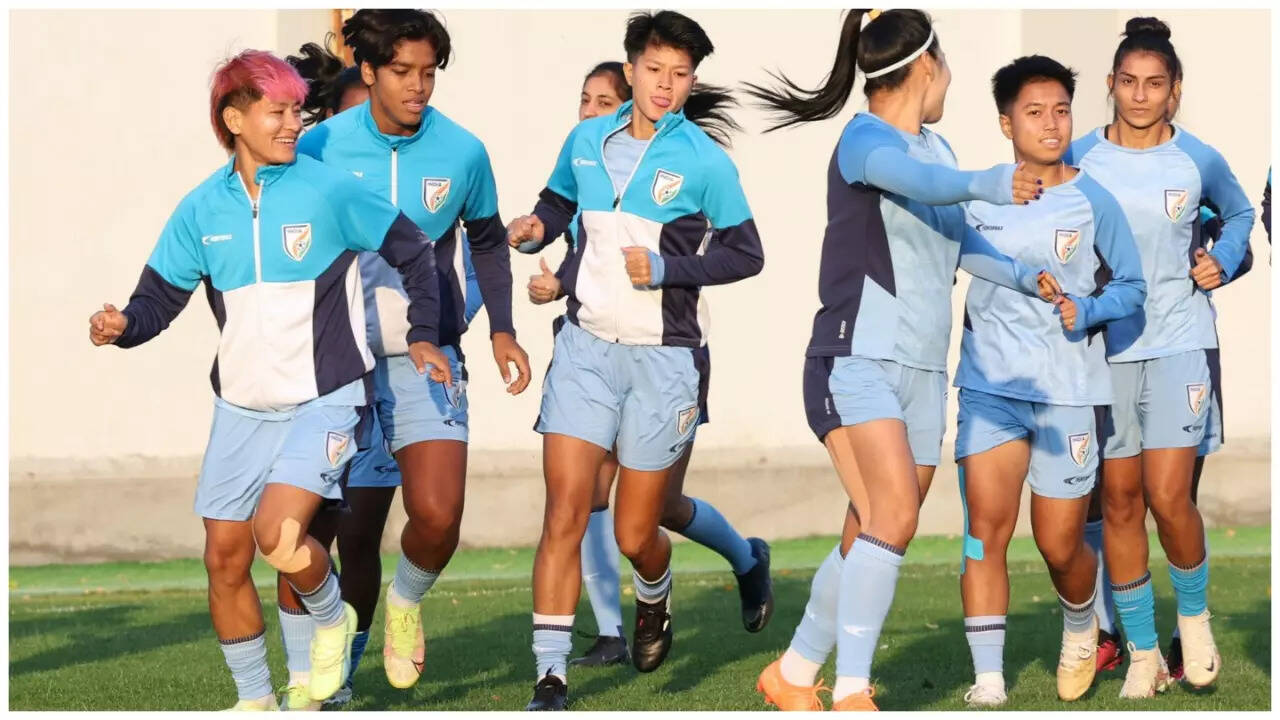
{"type": "Point", "coordinates": [600, 573]}
{"type": "Point", "coordinates": [1136, 606]}
{"type": "Point", "coordinates": [1191, 586]}
{"type": "Point", "coordinates": [708, 527]}
{"type": "Point", "coordinates": [296, 629]}
{"type": "Point", "coordinates": [552, 643]}
{"type": "Point", "coordinates": [411, 582]}
{"type": "Point", "coordinates": [985, 634]}
{"type": "Point", "coordinates": [867, 584]}
{"type": "Point", "coordinates": [325, 602]}
{"type": "Point", "coordinates": [247, 659]}
{"type": "Point", "coordinates": [1104, 604]}
{"type": "Point", "coordinates": [815, 636]}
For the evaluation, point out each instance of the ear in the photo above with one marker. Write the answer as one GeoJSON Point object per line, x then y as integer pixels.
{"type": "Point", "coordinates": [366, 73]}
{"type": "Point", "coordinates": [628, 71]}
{"type": "Point", "coordinates": [233, 118]}
{"type": "Point", "coordinates": [1006, 126]}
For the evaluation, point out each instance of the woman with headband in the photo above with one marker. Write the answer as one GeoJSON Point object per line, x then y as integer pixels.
{"type": "Point", "coordinates": [875, 373]}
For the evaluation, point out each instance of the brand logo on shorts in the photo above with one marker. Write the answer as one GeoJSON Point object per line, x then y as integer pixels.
{"type": "Point", "coordinates": [1079, 444]}
{"type": "Point", "coordinates": [1065, 243]}
{"type": "Point", "coordinates": [1195, 397]}
{"type": "Point", "coordinates": [297, 240]}
{"type": "Point", "coordinates": [1175, 202]}
{"type": "Point", "coordinates": [335, 444]}
{"type": "Point", "coordinates": [666, 186]}
{"type": "Point", "coordinates": [435, 191]}
{"type": "Point", "coordinates": [686, 418]}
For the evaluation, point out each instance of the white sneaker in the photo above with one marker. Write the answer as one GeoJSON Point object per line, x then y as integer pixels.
{"type": "Point", "coordinates": [1076, 663]}
{"type": "Point", "coordinates": [1147, 673]}
{"type": "Point", "coordinates": [986, 695]}
{"type": "Point", "coordinates": [1200, 659]}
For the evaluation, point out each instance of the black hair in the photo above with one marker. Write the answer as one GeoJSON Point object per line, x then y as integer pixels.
{"type": "Point", "coordinates": [887, 39]}
{"type": "Point", "coordinates": [1010, 79]}
{"type": "Point", "coordinates": [707, 105]}
{"type": "Point", "coordinates": [1148, 34]}
{"type": "Point", "coordinates": [612, 69]}
{"type": "Point", "coordinates": [372, 34]}
{"type": "Point", "coordinates": [327, 76]}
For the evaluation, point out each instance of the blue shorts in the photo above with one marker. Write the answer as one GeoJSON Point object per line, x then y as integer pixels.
{"type": "Point", "coordinates": [374, 466]}
{"type": "Point", "coordinates": [640, 400]}
{"type": "Point", "coordinates": [308, 448]}
{"type": "Point", "coordinates": [1064, 439]}
{"type": "Point", "coordinates": [844, 391]}
{"type": "Point", "coordinates": [1160, 403]}
{"type": "Point", "coordinates": [414, 408]}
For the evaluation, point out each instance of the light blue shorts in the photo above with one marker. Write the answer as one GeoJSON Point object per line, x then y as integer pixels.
{"type": "Point", "coordinates": [1064, 439]}
{"type": "Point", "coordinates": [1160, 403]}
{"type": "Point", "coordinates": [374, 466]}
{"type": "Point", "coordinates": [641, 399]}
{"type": "Point", "coordinates": [308, 448]}
{"type": "Point", "coordinates": [414, 408]}
{"type": "Point", "coordinates": [844, 391]}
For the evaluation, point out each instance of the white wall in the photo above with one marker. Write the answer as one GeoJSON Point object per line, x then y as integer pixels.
{"type": "Point", "coordinates": [110, 129]}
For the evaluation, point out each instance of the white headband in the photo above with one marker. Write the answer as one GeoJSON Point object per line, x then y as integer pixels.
{"type": "Point", "coordinates": [904, 61]}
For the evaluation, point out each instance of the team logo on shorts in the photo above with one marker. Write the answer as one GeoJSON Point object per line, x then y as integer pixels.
{"type": "Point", "coordinates": [335, 444]}
{"type": "Point", "coordinates": [686, 418]}
{"type": "Point", "coordinates": [666, 186]}
{"type": "Point", "coordinates": [1195, 397]}
{"type": "Point", "coordinates": [1065, 243]}
{"type": "Point", "coordinates": [435, 191]}
{"type": "Point", "coordinates": [297, 240]}
{"type": "Point", "coordinates": [1079, 444]}
{"type": "Point", "coordinates": [1175, 201]}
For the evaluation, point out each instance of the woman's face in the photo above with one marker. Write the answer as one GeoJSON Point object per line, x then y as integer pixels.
{"type": "Point", "coordinates": [598, 97]}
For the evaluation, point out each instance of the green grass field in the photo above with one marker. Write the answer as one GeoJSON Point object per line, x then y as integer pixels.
{"type": "Point", "coordinates": [137, 636]}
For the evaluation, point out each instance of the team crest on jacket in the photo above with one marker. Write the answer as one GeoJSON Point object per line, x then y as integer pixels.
{"type": "Point", "coordinates": [666, 186]}
{"type": "Point", "coordinates": [335, 444]}
{"type": "Point", "coordinates": [685, 418]}
{"type": "Point", "coordinates": [1195, 397]}
{"type": "Point", "coordinates": [1079, 444]}
{"type": "Point", "coordinates": [1065, 243]}
{"type": "Point", "coordinates": [435, 191]}
{"type": "Point", "coordinates": [297, 240]}
{"type": "Point", "coordinates": [1175, 202]}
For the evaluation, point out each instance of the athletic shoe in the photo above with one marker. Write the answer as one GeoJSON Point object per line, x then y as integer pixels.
{"type": "Point", "coordinates": [986, 695]}
{"type": "Point", "coordinates": [1200, 659]}
{"type": "Point", "coordinates": [1110, 653]}
{"type": "Point", "coordinates": [404, 648]}
{"type": "Point", "coordinates": [549, 694]}
{"type": "Point", "coordinates": [785, 696]}
{"type": "Point", "coordinates": [1076, 663]}
{"type": "Point", "coordinates": [857, 701]}
{"type": "Point", "coordinates": [606, 650]}
{"type": "Point", "coordinates": [755, 589]}
{"type": "Point", "coordinates": [652, 638]}
{"type": "Point", "coordinates": [1147, 674]}
{"type": "Point", "coordinates": [297, 696]}
{"type": "Point", "coordinates": [331, 655]}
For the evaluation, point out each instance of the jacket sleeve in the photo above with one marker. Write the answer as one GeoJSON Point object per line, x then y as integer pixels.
{"type": "Point", "coordinates": [170, 276]}
{"type": "Point", "coordinates": [487, 237]}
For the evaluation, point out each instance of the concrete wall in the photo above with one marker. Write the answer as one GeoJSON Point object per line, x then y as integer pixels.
{"type": "Point", "coordinates": [110, 129]}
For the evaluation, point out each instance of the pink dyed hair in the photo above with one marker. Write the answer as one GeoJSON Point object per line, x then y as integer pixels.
{"type": "Point", "coordinates": [246, 78]}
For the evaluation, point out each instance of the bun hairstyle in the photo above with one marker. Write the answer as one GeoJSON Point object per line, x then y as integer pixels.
{"type": "Point", "coordinates": [884, 50]}
{"type": "Point", "coordinates": [327, 76]}
{"type": "Point", "coordinates": [1151, 35]}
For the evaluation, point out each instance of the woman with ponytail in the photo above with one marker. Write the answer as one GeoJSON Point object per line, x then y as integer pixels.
{"type": "Point", "coordinates": [1162, 358]}
{"type": "Point", "coordinates": [657, 212]}
{"type": "Point", "coordinates": [875, 373]}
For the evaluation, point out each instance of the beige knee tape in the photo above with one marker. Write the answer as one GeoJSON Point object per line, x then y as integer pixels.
{"type": "Point", "coordinates": [290, 556]}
